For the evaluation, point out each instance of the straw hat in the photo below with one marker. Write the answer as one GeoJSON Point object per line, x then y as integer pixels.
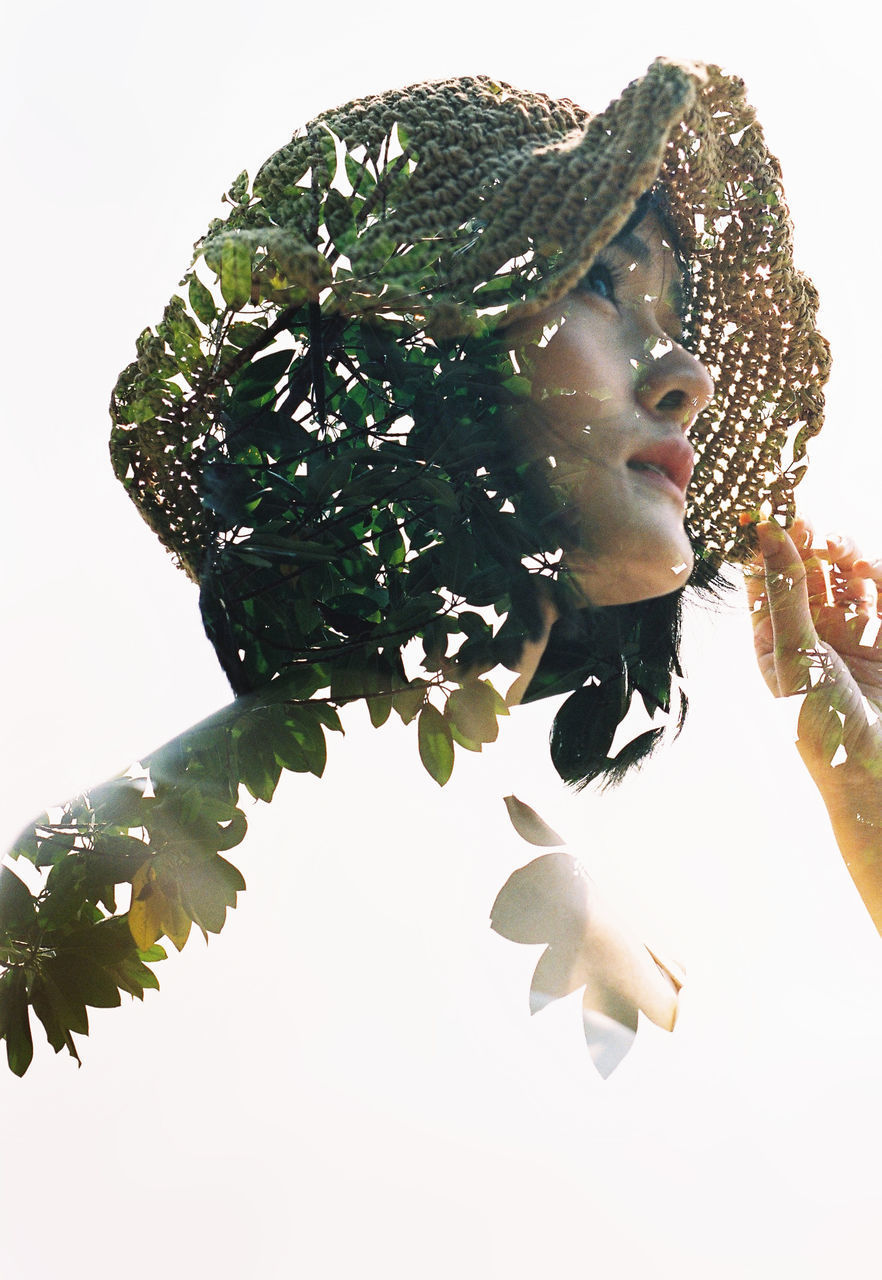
{"type": "Point", "coordinates": [449, 207]}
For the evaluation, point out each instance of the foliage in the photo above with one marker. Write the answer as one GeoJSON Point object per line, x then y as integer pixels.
{"type": "Point", "coordinates": [327, 435]}
{"type": "Point", "coordinates": [163, 832]}
{"type": "Point", "coordinates": [326, 441]}
{"type": "Point", "coordinates": [330, 440]}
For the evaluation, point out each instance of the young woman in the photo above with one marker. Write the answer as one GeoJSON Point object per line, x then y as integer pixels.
{"type": "Point", "coordinates": [467, 380]}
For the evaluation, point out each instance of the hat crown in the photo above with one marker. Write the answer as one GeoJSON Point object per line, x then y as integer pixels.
{"type": "Point", "coordinates": [461, 202]}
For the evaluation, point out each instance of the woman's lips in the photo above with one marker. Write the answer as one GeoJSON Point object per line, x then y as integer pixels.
{"type": "Point", "coordinates": [666, 464]}
{"type": "Point", "coordinates": [658, 480]}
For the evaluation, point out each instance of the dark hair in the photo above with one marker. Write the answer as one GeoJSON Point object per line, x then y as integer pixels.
{"type": "Point", "coordinates": [607, 656]}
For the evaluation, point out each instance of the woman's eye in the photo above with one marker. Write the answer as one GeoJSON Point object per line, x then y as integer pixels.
{"type": "Point", "coordinates": [599, 280]}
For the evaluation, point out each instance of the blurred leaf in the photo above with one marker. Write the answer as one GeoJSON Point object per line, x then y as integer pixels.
{"type": "Point", "coordinates": [207, 888]}
{"type": "Point", "coordinates": [819, 724]}
{"type": "Point", "coordinates": [548, 900]}
{"type": "Point", "coordinates": [112, 860]}
{"type": "Point", "coordinates": [66, 890]}
{"type": "Point", "coordinates": [55, 848]}
{"type": "Point", "coordinates": [17, 906]}
{"type": "Point", "coordinates": [239, 190]}
{"type": "Point", "coordinates": [156, 908]}
{"type": "Point", "coordinates": [473, 708]}
{"type": "Point", "coordinates": [26, 843]}
{"type": "Point", "coordinates": [118, 803]}
{"type": "Point", "coordinates": [529, 825]}
{"type": "Point", "coordinates": [552, 900]}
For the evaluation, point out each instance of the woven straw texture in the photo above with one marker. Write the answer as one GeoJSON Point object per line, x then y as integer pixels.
{"type": "Point", "coordinates": [490, 202]}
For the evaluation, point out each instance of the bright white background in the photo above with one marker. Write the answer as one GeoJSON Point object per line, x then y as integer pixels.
{"type": "Point", "coordinates": [347, 1083]}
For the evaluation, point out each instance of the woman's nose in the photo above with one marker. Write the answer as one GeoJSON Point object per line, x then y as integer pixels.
{"type": "Point", "coordinates": [673, 385]}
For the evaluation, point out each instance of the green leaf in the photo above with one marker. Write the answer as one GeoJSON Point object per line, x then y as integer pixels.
{"type": "Point", "coordinates": [235, 272]}
{"type": "Point", "coordinates": [327, 716]}
{"type": "Point", "coordinates": [208, 887]}
{"type": "Point", "coordinates": [274, 548]}
{"type": "Point", "coordinates": [819, 724]}
{"type": "Point", "coordinates": [55, 848]}
{"type": "Point", "coordinates": [435, 743]}
{"type": "Point", "coordinates": [201, 301]}
{"type": "Point", "coordinates": [474, 708]}
{"type": "Point", "coordinates": [379, 709]}
{"type": "Point", "coordinates": [299, 742]}
{"type": "Point", "coordinates": [132, 976]}
{"type": "Point", "coordinates": [231, 832]}
{"type": "Point", "coordinates": [390, 547]}
{"type": "Point", "coordinates": [114, 859]}
{"type": "Point", "coordinates": [156, 905]}
{"type": "Point", "coordinates": [151, 955]}
{"type": "Point", "coordinates": [17, 907]}
{"type": "Point", "coordinates": [58, 1017]}
{"type": "Point", "coordinates": [14, 1019]}
{"type": "Point", "coordinates": [106, 942]}
{"type": "Point", "coordinates": [340, 219]}
{"type": "Point", "coordinates": [27, 843]}
{"type": "Point", "coordinates": [242, 333]}
{"type": "Point", "coordinates": [359, 176]}
{"type": "Point", "coordinates": [239, 190]}
{"type": "Point", "coordinates": [83, 981]}
{"type": "Point", "coordinates": [66, 891]}
{"type": "Point", "coordinates": [258, 767]}
{"type": "Point", "coordinates": [259, 378]}
{"type": "Point", "coordinates": [118, 803]}
{"type": "Point", "coordinates": [407, 702]}
{"type": "Point", "coordinates": [470, 744]}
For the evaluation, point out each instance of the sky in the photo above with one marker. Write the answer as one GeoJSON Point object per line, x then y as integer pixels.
{"type": "Point", "coordinates": [347, 1082]}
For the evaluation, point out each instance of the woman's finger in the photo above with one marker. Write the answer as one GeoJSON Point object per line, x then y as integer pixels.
{"type": "Point", "coordinates": [801, 533]}
{"type": "Point", "coordinates": [844, 550]}
{"type": "Point", "coordinates": [851, 585]}
{"type": "Point", "coordinates": [869, 569]}
{"type": "Point", "coordinates": [802, 537]}
{"type": "Point", "coordinates": [795, 639]}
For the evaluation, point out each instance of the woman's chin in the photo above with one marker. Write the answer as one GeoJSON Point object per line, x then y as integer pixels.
{"type": "Point", "coordinates": [609, 581]}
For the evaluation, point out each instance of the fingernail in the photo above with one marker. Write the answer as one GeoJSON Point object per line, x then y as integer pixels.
{"type": "Point", "coordinates": [770, 535]}
{"type": "Point", "coordinates": [800, 532]}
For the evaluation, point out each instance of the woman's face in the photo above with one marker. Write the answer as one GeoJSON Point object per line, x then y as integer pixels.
{"type": "Point", "coordinates": [617, 395]}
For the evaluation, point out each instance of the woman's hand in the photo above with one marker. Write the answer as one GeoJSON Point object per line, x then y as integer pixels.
{"type": "Point", "coordinates": [818, 634]}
